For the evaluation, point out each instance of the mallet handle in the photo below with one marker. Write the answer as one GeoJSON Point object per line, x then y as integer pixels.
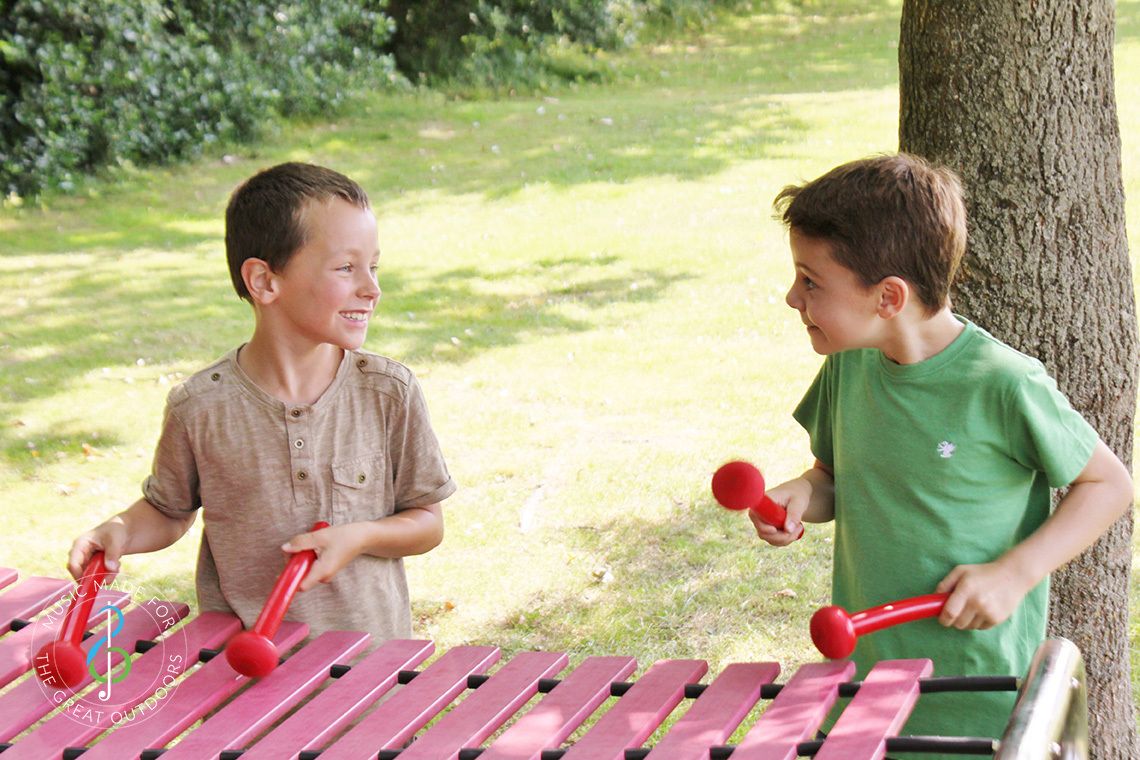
{"type": "Point", "coordinates": [75, 620]}
{"type": "Point", "coordinates": [896, 613]}
{"type": "Point", "coordinates": [284, 589]}
{"type": "Point", "coordinates": [773, 513]}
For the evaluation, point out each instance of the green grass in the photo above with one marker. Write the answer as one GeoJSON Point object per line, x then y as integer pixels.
{"type": "Point", "coordinates": [590, 286]}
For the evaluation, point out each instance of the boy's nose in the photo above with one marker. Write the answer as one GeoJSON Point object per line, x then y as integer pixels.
{"type": "Point", "coordinates": [792, 298]}
{"type": "Point", "coordinates": [371, 289]}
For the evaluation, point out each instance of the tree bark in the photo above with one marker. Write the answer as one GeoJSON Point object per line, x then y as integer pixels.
{"type": "Point", "coordinates": [1017, 96]}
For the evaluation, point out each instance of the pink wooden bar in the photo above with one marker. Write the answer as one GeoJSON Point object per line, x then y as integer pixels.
{"type": "Point", "coordinates": [259, 706]}
{"type": "Point", "coordinates": [17, 649]}
{"type": "Point", "coordinates": [316, 723]}
{"type": "Point", "coordinates": [796, 713]}
{"type": "Point", "coordinates": [716, 713]}
{"type": "Point", "coordinates": [395, 721]}
{"type": "Point", "coordinates": [29, 597]}
{"type": "Point", "coordinates": [319, 702]}
{"type": "Point", "coordinates": [70, 728]}
{"type": "Point", "coordinates": [560, 712]}
{"type": "Point", "coordinates": [29, 701]}
{"type": "Point", "coordinates": [193, 697]}
{"type": "Point", "coordinates": [639, 712]}
{"type": "Point", "coordinates": [8, 576]}
{"type": "Point", "coordinates": [488, 707]}
{"type": "Point", "coordinates": [878, 711]}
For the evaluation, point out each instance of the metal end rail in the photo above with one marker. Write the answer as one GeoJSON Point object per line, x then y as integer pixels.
{"type": "Point", "coordinates": [1050, 718]}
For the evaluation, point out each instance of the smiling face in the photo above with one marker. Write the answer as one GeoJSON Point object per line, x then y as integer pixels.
{"type": "Point", "coordinates": [327, 291]}
{"type": "Point", "coordinates": [840, 312]}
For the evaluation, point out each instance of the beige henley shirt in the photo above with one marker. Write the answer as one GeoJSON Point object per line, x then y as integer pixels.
{"type": "Point", "coordinates": [263, 471]}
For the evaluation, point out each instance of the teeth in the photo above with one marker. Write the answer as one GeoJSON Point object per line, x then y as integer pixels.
{"type": "Point", "coordinates": [355, 317]}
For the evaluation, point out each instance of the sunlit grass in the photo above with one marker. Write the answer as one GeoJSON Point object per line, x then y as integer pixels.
{"type": "Point", "coordinates": [589, 285]}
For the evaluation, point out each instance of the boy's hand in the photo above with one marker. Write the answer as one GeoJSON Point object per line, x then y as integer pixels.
{"type": "Point", "coordinates": [794, 496]}
{"type": "Point", "coordinates": [335, 546]}
{"type": "Point", "coordinates": [109, 538]}
{"type": "Point", "coordinates": [981, 596]}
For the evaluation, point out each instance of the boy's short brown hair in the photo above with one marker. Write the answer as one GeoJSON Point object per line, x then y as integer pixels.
{"type": "Point", "coordinates": [892, 215]}
{"type": "Point", "coordinates": [265, 215]}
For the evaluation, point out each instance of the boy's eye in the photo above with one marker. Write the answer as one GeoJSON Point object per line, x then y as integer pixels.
{"type": "Point", "coordinates": [809, 283]}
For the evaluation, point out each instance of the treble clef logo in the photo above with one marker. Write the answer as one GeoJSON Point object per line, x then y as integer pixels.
{"type": "Point", "coordinates": [106, 677]}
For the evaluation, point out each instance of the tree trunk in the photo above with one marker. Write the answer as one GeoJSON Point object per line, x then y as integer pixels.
{"type": "Point", "coordinates": [1017, 96]}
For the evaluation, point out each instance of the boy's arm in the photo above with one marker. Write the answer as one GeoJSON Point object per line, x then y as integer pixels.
{"type": "Point", "coordinates": [810, 498]}
{"type": "Point", "coordinates": [410, 531]}
{"type": "Point", "coordinates": [982, 596]}
{"type": "Point", "coordinates": [137, 529]}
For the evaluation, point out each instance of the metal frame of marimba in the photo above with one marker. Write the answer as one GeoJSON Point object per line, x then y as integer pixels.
{"type": "Point", "coordinates": [333, 699]}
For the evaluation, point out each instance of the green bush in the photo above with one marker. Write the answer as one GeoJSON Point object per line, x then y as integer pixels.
{"type": "Point", "coordinates": [525, 42]}
{"type": "Point", "coordinates": [87, 83]}
{"type": "Point", "coordinates": [91, 83]}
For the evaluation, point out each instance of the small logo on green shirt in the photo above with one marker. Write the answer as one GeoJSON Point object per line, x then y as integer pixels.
{"type": "Point", "coordinates": [946, 449]}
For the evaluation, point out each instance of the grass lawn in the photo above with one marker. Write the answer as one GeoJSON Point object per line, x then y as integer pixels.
{"type": "Point", "coordinates": [590, 287]}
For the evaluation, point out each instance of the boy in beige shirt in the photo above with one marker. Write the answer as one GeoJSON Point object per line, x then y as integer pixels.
{"type": "Point", "coordinates": [295, 426]}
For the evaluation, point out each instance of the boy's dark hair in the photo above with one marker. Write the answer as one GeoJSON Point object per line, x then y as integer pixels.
{"type": "Point", "coordinates": [893, 215]}
{"type": "Point", "coordinates": [265, 215]}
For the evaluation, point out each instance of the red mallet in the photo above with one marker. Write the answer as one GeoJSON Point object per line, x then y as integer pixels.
{"type": "Point", "coordinates": [833, 630]}
{"type": "Point", "coordinates": [739, 485]}
{"type": "Point", "coordinates": [252, 653]}
{"type": "Point", "coordinates": [63, 660]}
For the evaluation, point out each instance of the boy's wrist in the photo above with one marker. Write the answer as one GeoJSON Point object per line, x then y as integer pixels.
{"type": "Point", "coordinates": [1022, 567]}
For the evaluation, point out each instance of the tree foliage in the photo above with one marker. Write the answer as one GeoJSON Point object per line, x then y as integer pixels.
{"type": "Point", "coordinates": [86, 83]}
{"type": "Point", "coordinates": [91, 83]}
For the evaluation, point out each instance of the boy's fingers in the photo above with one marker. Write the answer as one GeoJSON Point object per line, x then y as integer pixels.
{"type": "Point", "coordinates": [947, 584]}
{"type": "Point", "coordinates": [301, 542]}
{"type": "Point", "coordinates": [949, 609]}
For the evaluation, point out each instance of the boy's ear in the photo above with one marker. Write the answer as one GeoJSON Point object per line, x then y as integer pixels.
{"type": "Point", "coordinates": [894, 294]}
{"type": "Point", "coordinates": [259, 280]}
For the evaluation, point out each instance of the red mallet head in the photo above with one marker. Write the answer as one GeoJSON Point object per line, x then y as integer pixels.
{"type": "Point", "coordinates": [252, 654]}
{"type": "Point", "coordinates": [832, 632]}
{"type": "Point", "coordinates": [738, 485]}
{"type": "Point", "coordinates": [63, 661]}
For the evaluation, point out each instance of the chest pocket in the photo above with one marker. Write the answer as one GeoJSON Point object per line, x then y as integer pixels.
{"type": "Point", "coordinates": [359, 489]}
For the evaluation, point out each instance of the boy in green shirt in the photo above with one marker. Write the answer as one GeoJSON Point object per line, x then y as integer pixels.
{"type": "Point", "coordinates": [936, 445]}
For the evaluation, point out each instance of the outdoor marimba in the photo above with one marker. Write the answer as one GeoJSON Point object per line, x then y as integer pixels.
{"type": "Point", "coordinates": [168, 696]}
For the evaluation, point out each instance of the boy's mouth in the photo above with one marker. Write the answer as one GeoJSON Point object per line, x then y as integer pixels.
{"type": "Point", "coordinates": [355, 316]}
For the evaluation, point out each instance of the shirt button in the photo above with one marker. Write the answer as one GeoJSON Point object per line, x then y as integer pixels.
{"type": "Point", "coordinates": [216, 376]}
{"type": "Point", "coordinates": [300, 444]}
{"type": "Point", "coordinates": [361, 478]}
{"type": "Point", "coordinates": [362, 363]}
{"type": "Point", "coordinates": [296, 412]}
{"type": "Point", "coordinates": [302, 475]}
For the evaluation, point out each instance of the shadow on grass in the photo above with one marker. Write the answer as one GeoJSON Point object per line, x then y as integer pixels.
{"type": "Point", "coordinates": [682, 588]}
{"type": "Point", "coordinates": [117, 329]}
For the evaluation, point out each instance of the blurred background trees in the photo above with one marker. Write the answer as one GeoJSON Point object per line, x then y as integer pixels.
{"type": "Point", "coordinates": [90, 83]}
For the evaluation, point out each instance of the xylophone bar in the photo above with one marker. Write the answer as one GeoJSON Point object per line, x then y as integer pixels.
{"type": "Point", "coordinates": [16, 653]}
{"type": "Point", "coordinates": [259, 707]}
{"type": "Point", "coordinates": [194, 698]}
{"type": "Point", "coordinates": [319, 703]}
{"type": "Point", "coordinates": [28, 598]}
{"type": "Point", "coordinates": [28, 702]}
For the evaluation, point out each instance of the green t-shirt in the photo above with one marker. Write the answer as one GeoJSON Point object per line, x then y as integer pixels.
{"type": "Point", "coordinates": [937, 464]}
